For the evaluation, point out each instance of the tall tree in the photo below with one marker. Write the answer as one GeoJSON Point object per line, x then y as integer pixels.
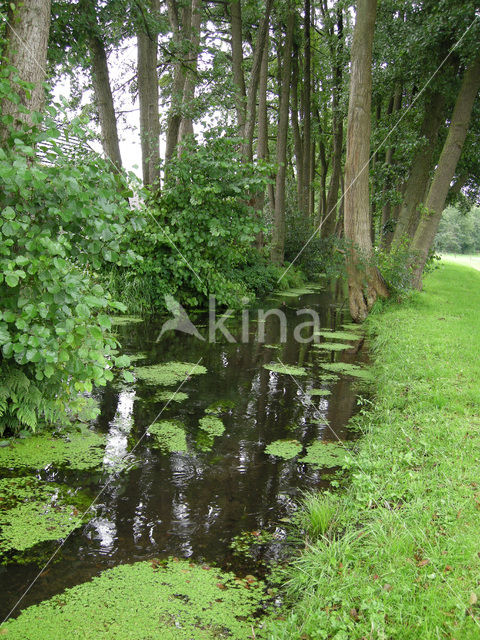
{"type": "Point", "coordinates": [278, 231]}
{"type": "Point", "coordinates": [26, 49]}
{"type": "Point", "coordinates": [445, 170]}
{"type": "Point", "coordinates": [147, 80]}
{"type": "Point", "coordinates": [364, 281]}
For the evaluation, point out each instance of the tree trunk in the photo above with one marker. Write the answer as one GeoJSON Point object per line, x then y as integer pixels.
{"type": "Point", "coordinates": [262, 139]}
{"type": "Point", "coordinates": [306, 100]}
{"type": "Point", "coordinates": [419, 177]}
{"type": "Point", "coordinates": [451, 152]}
{"type": "Point", "coordinates": [147, 79]}
{"type": "Point", "coordinates": [297, 138]}
{"type": "Point", "coordinates": [104, 102]}
{"type": "Point", "coordinates": [28, 23]}
{"type": "Point", "coordinates": [237, 63]}
{"type": "Point", "coordinates": [364, 281]}
{"type": "Point", "coordinates": [186, 122]}
{"type": "Point", "coordinates": [278, 231]}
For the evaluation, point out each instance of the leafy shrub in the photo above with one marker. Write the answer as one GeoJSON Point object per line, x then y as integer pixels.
{"type": "Point", "coordinates": [200, 231]}
{"type": "Point", "coordinates": [59, 220]}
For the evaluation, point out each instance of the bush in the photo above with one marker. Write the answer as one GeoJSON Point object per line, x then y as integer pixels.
{"type": "Point", "coordinates": [59, 220]}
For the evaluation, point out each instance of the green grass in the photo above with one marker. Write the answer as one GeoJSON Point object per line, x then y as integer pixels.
{"type": "Point", "coordinates": [401, 558]}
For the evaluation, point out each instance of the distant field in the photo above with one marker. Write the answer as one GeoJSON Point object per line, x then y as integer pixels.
{"type": "Point", "coordinates": [465, 259]}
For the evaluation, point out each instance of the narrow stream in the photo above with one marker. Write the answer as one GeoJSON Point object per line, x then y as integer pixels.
{"type": "Point", "coordinates": [193, 504]}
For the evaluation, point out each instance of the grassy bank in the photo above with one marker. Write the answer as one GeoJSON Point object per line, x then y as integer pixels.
{"type": "Point", "coordinates": [465, 259]}
{"type": "Point", "coordinates": [400, 555]}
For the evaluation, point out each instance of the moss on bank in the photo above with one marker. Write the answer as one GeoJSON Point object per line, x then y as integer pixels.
{"type": "Point", "coordinates": [401, 556]}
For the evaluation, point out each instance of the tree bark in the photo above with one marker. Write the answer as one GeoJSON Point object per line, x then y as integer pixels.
{"type": "Point", "coordinates": [278, 231]}
{"type": "Point", "coordinates": [419, 177]}
{"type": "Point", "coordinates": [297, 137]}
{"type": "Point", "coordinates": [306, 99]}
{"type": "Point", "coordinates": [104, 102]}
{"type": "Point", "coordinates": [186, 123]}
{"type": "Point", "coordinates": [237, 63]}
{"type": "Point", "coordinates": [28, 23]}
{"type": "Point", "coordinates": [147, 79]}
{"type": "Point", "coordinates": [260, 44]}
{"type": "Point", "coordinates": [364, 281]}
{"type": "Point", "coordinates": [444, 173]}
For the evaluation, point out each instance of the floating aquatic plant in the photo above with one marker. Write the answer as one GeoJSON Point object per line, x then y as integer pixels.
{"type": "Point", "coordinates": [135, 357]}
{"type": "Point", "coordinates": [120, 320]}
{"type": "Point", "coordinates": [337, 335]}
{"type": "Point", "coordinates": [286, 449]}
{"type": "Point", "coordinates": [212, 425]}
{"type": "Point", "coordinates": [325, 454]}
{"type": "Point", "coordinates": [170, 396]}
{"type": "Point", "coordinates": [347, 369]}
{"type": "Point", "coordinates": [285, 368]}
{"type": "Point", "coordinates": [319, 392]}
{"type": "Point", "coordinates": [328, 377]}
{"type": "Point", "coordinates": [33, 511]}
{"type": "Point", "coordinates": [332, 346]}
{"type": "Point", "coordinates": [77, 450]}
{"type": "Point", "coordinates": [160, 600]}
{"type": "Point", "coordinates": [168, 373]}
{"type": "Point", "coordinates": [219, 407]}
{"type": "Point", "coordinates": [168, 436]}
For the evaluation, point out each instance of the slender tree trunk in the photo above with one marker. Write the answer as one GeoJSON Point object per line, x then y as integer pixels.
{"type": "Point", "coordinates": [419, 177]}
{"type": "Point", "coordinates": [186, 122]}
{"type": "Point", "coordinates": [262, 139]}
{"type": "Point", "coordinates": [278, 231]}
{"type": "Point", "coordinates": [260, 44]}
{"type": "Point", "coordinates": [306, 99]}
{"type": "Point", "coordinates": [31, 24]}
{"type": "Point", "coordinates": [104, 102]}
{"type": "Point", "coordinates": [452, 149]}
{"type": "Point", "coordinates": [148, 99]}
{"type": "Point", "coordinates": [364, 281]}
{"type": "Point", "coordinates": [297, 138]}
{"type": "Point", "coordinates": [237, 63]}
{"type": "Point", "coordinates": [385, 234]}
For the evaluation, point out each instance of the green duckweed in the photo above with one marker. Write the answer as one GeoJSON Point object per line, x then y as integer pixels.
{"type": "Point", "coordinates": [285, 369]}
{"type": "Point", "coordinates": [325, 454]}
{"type": "Point", "coordinates": [168, 436]}
{"type": "Point", "coordinates": [169, 396]}
{"type": "Point", "coordinates": [333, 346]}
{"type": "Point", "coordinates": [212, 425]}
{"type": "Point", "coordinates": [79, 450]}
{"type": "Point", "coordinates": [345, 368]}
{"type": "Point", "coordinates": [168, 373]}
{"type": "Point", "coordinates": [338, 335]}
{"type": "Point", "coordinates": [286, 449]}
{"type": "Point", "coordinates": [164, 600]}
{"type": "Point", "coordinates": [319, 392]}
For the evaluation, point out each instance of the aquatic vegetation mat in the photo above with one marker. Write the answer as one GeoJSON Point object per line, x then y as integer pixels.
{"type": "Point", "coordinates": [347, 369]}
{"type": "Point", "coordinates": [170, 396]}
{"type": "Point", "coordinates": [333, 346]}
{"type": "Point", "coordinates": [212, 425]}
{"type": "Point", "coordinates": [79, 450]}
{"type": "Point", "coordinates": [164, 600]}
{"type": "Point", "coordinates": [168, 373]}
{"type": "Point", "coordinates": [169, 436]}
{"type": "Point", "coordinates": [337, 335]}
{"type": "Point", "coordinates": [325, 454]}
{"type": "Point", "coordinates": [319, 392]}
{"type": "Point", "coordinates": [286, 449]}
{"type": "Point", "coordinates": [120, 320]}
{"type": "Point", "coordinates": [32, 511]}
{"type": "Point", "coordinates": [285, 369]}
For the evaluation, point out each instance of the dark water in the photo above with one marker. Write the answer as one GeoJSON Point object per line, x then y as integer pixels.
{"type": "Point", "coordinates": [193, 504]}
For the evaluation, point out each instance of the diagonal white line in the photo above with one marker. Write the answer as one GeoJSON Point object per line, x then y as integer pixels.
{"type": "Point", "coordinates": [379, 505]}
{"type": "Point", "coordinates": [365, 166]}
{"type": "Point", "coordinates": [113, 477]}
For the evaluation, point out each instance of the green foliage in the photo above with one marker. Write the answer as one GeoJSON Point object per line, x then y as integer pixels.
{"type": "Point", "coordinates": [200, 231]}
{"type": "Point", "coordinates": [459, 232]}
{"type": "Point", "coordinates": [395, 269]}
{"type": "Point", "coordinates": [165, 600]}
{"type": "Point", "coordinates": [314, 518]}
{"type": "Point", "coordinates": [60, 217]}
